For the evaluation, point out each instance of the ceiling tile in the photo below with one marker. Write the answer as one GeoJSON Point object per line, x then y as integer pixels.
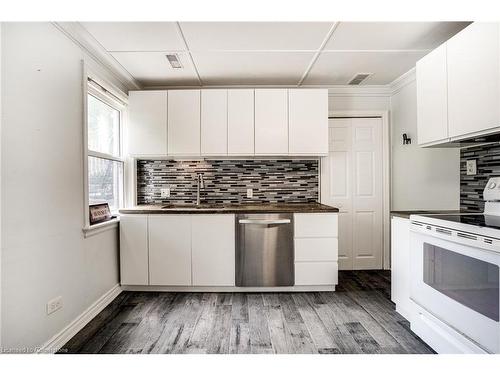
{"type": "Point", "coordinates": [152, 68]}
{"type": "Point", "coordinates": [136, 36]}
{"type": "Point", "coordinates": [337, 68]}
{"type": "Point", "coordinates": [392, 35]}
{"type": "Point", "coordinates": [205, 36]}
{"type": "Point", "coordinates": [251, 68]}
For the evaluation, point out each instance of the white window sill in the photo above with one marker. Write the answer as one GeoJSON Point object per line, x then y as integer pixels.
{"type": "Point", "coordinates": [92, 230]}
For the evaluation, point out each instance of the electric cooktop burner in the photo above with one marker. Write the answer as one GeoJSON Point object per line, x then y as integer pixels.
{"type": "Point", "coordinates": [479, 220]}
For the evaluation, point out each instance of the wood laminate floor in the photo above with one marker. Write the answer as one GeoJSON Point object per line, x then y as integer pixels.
{"type": "Point", "coordinates": [357, 318]}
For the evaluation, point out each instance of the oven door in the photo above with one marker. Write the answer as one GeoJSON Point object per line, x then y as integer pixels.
{"type": "Point", "coordinates": [458, 284]}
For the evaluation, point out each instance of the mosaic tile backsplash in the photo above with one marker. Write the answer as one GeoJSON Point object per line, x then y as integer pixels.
{"type": "Point", "coordinates": [471, 187]}
{"type": "Point", "coordinates": [227, 181]}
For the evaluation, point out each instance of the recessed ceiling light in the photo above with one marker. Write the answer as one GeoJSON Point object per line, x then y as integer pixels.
{"type": "Point", "coordinates": [174, 61]}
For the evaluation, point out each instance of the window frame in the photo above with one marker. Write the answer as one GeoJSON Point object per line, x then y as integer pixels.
{"type": "Point", "coordinates": [113, 97]}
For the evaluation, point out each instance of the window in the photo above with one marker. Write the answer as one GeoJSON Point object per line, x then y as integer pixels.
{"type": "Point", "coordinates": [104, 152]}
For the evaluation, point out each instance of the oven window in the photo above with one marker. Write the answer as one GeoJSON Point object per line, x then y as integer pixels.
{"type": "Point", "coordinates": [469, 281]}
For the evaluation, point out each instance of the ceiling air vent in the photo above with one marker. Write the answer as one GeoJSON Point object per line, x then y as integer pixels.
{"type": "Point", "coordinates": [174, 61]}
{"type": "Point", "coordinates": [358, 78]}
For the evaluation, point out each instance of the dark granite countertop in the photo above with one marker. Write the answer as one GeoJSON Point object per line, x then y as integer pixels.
{"type": "Point", "coordinates": [406, 214]}
{"type": "Point", "coordinates": [230, 208]}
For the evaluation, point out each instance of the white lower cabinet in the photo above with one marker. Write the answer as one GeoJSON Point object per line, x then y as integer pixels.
{"type": "Point", "coordinates": [199, 250]}
{"type": "Point", "coordinates": [170, 250]}
{"type": "Point", "coordinates": [134, 249]}
{"type": "Point", "coordinates": [400, 265]}
{"type": "Point", "coordinates": [213, 250]}
{"type": "Point", "coordinates": [177, 250]}
{"type": "Point", "coordinates": [316, 249]}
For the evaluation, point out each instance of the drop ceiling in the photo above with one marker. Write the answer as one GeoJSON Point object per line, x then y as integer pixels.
{"type": "Point", "coordinates": [268, 53]}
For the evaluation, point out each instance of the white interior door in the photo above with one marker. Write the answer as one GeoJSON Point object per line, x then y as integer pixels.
{"type": "Point", "coordinates": [352, 180]}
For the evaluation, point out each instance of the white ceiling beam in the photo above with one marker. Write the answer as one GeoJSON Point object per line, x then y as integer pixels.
{"type": "Point", "coordinates": [186, 46]}
{"type": "Point", "coordinates": [318, 52]}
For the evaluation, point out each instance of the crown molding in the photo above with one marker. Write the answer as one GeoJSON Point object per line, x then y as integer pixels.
{"type": "Point", "coordinates": [340, 90]}
{"type": "Point", "coordinates": [402, 81]}
{"type": "Point", "coordinates": [80, 36]}
{"type": "Point", "coordinates": [347, 90]}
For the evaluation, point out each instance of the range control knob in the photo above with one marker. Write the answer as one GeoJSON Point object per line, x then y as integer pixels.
{"type": "Point", "coordinates": [492, 185]}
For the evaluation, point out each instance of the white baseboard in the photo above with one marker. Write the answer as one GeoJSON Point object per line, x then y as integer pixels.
{"type": "Point", "coordinates": [222, 289]}
{"type": "Point", "coordinates": [61, 338]}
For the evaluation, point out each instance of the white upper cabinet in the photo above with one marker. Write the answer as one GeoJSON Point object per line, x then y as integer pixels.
{"type": "Point", "coordinates": [432, 97]}
{"type": "Point", "coordinates": [271, 122]}
{"type": "Point", "coordinates": [473, 80]}
{"type": "Point", "coordinates": [458, 87]}
{"type": "Point", "coordinates": [147, 125]}
{"type": "Point", "coordinates": [240, 122]}
{"type": "Point", "coordinates": [308, 121]}
{"type": "Point", "coordinates": [219, 122]}
{"type": "Point", "coordinates": [214, 122]}
{"type": "Point", "coordinates": [184, 122]}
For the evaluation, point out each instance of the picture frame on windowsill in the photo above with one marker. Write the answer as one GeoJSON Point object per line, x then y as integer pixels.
{"type": "Point", "coordinates": [99, 213]}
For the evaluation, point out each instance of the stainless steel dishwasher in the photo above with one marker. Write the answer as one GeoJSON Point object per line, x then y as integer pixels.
{"type": "Point", "coordinates": [264, 250]}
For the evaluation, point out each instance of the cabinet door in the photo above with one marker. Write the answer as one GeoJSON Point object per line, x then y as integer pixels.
{"type": "Point", "coordinates": [400, 265]}
{"type": "Point", "coordinates": [271, 122]}
{"type": "Point", "coordinates": [308, 121]}
{"type": "Point", "coordinates": [240, 122]}
{"type": "Point", "coordinates": [170, 250]}
{"type": "Point", "coordinates": [213, 246]}
{"type": "Point", "coordinates": [473, 79]}
{"type": "Point", "coordinates": [214, 122]}
{"type": "Point", "coordinates": [147, 125]}
{"type": "Point", "coordinates": [184, 122]}
{"type": "Point", "coordinates": [432, 97]}
{"type": "Point", "coordinates": [134, 250]}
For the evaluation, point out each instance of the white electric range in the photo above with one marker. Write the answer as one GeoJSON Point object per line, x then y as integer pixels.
{"type": "Point", "coordinates": [455, 263]}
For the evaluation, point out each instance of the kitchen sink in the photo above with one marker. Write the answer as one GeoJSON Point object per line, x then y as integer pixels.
{"type": "Point", "coordinates": [202, 206]}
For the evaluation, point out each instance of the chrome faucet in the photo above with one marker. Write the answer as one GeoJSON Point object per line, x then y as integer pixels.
{"type": "Point", "coordinates": [200, 185]}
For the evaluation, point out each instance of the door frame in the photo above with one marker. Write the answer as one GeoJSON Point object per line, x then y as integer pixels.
{"type": "Point", "coordinates": [386, 175]}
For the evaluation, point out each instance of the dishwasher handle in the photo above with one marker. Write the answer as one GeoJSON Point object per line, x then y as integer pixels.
{"type": "Point", "coordinates": [264, 221]}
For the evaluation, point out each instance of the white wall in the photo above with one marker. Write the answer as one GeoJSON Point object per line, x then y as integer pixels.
{"type": "Point", "coordinates": [359, 102]}
{"type": "Point", "coordinates": [44, 253]}
{"type": "Point", "coordinates": [422, 178]}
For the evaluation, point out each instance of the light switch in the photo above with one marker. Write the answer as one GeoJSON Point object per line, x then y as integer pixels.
{"type": "Point", "coordinates": [249, 193]}
{"type": "Point", "coordinates": [471, 167]}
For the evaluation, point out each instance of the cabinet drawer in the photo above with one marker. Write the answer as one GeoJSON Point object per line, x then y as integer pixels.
{"type": "Point", "coordinates": [316, 273]}
{"type": "Point", "coordinates": [316, 249]}
{"type": "Point", "coordinates": [316, 225]}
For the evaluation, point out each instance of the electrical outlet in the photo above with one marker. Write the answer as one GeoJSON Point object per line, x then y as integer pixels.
{"type": "Point", "coordinates": [54, 305]}
{"type": "Point", "coordinates": [471, 167]}
{"type": "Point", "coordinates": [165, 192]}
{"type": "Point", "coordinates": [249, 193]}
